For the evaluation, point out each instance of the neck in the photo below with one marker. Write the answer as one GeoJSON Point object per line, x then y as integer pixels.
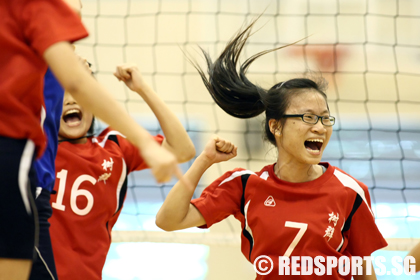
{"type": "Point", "coordinates": [80, 140]}
{"type": "Point", "coordinates": [297, 173]}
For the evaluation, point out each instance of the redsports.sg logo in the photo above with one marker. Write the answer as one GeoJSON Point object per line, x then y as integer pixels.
{"type": "Point", "coordinates": [320, 265]}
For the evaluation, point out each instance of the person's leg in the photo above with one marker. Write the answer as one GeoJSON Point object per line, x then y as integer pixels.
{"type": "Point", "coordinates": [43, 267]}
{"type": "Point", "coordinates": [18, 226]}
{"type": "Point", "coordinates": [14, 269]}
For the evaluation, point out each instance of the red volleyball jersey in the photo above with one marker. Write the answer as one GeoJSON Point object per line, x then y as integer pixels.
{"type": "Point", "coordinates": [91, 187]}
{"type": "Point", "coordinates": [329, 216]}
{"type": "Point", "coordinates": [28, 28]}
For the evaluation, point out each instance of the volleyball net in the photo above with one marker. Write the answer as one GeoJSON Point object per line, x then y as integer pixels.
{"type": "Point", "coordinates": [369, 51]}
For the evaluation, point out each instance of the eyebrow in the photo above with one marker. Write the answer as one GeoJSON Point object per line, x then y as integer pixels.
{"type": "Point", "coordinates": [312, 112]}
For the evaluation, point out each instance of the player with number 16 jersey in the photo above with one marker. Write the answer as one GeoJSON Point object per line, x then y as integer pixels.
{"type": "Point", "coordinates": [91, 181]}
{"type": "Point", "coordinates": [90, 189]}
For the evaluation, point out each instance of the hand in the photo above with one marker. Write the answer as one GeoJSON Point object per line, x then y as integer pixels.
{"type": "Point", "coordinates": [218, 150]}
{"type": "Point", "coordinates": [162, 163]}
{"type": "Point", "coordinates": [131, 76]}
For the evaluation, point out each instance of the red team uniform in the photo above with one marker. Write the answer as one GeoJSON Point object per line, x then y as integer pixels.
{"type": "Point", "coordinates": [91, 187]}
{"type": "Point", "coordinates": [329, 216]}
{"type": "Point", "coordinates": [27, 29]}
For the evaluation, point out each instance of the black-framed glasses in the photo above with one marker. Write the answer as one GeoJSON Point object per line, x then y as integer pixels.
{"type": "Point", "coordinates": [313, 119]}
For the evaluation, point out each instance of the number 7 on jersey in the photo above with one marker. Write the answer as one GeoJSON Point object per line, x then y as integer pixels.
{"type": "Point", "coordinates": [302, 228]}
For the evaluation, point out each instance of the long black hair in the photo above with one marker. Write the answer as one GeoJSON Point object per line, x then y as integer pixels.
{"type": "Point", "coordinates": [237, 96]}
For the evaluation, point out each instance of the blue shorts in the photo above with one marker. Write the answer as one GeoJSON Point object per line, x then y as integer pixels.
{"type": "Point", "coordinates": [18, 214]}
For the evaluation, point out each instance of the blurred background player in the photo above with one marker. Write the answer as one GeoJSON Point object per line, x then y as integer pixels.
{"type": "Point", "coordinates": [43, 266]}
{"type": "Point", "coordinates": [36, 34]}
{"type": "Point", "coordinates": [92, 179]}
{"type": "Point", "coordinates": [294, 207]}
{"type": "Point", "coordinates": [25, 35]}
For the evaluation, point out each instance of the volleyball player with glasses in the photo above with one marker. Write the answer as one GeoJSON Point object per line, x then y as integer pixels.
{"type": "Point", "coordinates": [313, 119]}
{"type": "Point", "coordinates": [297, 206]}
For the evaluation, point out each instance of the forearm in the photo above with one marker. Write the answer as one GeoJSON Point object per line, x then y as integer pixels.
{"type": "Point", "coordinates": [177, 138]}
{"type": "Point", "coordinates": [177, 212]}
{"type": "Point", "coordinates": [104, 106]}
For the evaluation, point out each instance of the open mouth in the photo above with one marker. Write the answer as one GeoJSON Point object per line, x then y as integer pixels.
{"type": "Point", "coordinates": [72, 117]}
{"type": "Point", "coordinates": [314, 145]}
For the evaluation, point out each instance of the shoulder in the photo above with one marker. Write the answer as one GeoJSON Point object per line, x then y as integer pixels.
{"type": "Point", "coordinates": [238, 172]}
{"type": "Point", "coordinates": [348, 181]}
{"type": "Point", "coordinates": [52, 7]}
{"type": "Point", "coordinates": [108, 135]}
{"type": "Point", "coordinates": [245, 174]}
{"type": "Point", "coordinates": [360, 190]}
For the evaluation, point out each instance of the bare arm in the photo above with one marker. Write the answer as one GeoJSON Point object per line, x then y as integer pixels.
{"type": "Point", "coordinates": [365, 276]}
{"type": "Point", "coordinates": [176, 140]}
{"type": "Point", "coordinates": [415, 252]}
{"type": "Point", "coordinates": [177, 212]}
{"type": "Point", "coordinates": [91, 95]}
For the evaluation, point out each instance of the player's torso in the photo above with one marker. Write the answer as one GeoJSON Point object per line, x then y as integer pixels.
{"type": "Point", "coordinates": [88, 191]}
{"type": "Point", "coordinates": [20, 80]}
{"type": "Point", "coordinates": [88, 181]}
{"type": "Point", "coordinates": [297, 220]}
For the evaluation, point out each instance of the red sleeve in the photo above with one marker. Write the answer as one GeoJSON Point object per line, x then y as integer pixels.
{"type": "Point", "coordinates": [132, 156]}
{"type": "Point", "coordinates": [47, 22]}
{"type": "Point", "coordinates": [364, 236]}
{"type": "Point", "coordinates": [221, 198]}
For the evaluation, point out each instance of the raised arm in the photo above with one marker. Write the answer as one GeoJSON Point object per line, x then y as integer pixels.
{"type": "Point", "coordinates": [176, 138]}
{"type": "Point", "coordinates": [90, 94]}
{"type": "Point", "coordinates": [177, 212]}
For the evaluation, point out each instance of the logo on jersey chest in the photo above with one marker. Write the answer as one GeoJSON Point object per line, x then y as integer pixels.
{"type": "Point", "coordinates": [332, 222]}
{"type": "Point", "coordinates": [104, 177]}
{"type": "Point", "coordinates": [107, 164]}
{"type": "Point", "coordinates": [270, 201]}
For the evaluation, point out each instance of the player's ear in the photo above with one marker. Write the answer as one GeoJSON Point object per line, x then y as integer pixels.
{"type": "Point", "coordinates": [275, 127]}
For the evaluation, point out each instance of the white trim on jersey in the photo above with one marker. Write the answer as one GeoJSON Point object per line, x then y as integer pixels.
{"type": "Point", "coordinates": [102, 143]}
{"type": "Point", "coordinates": [342, 237]}
{"type": "Point", "coordinates": [43, 116]}
{"type": "Point", "coordinates": [264, 175]}
{"type": "Point", "coordinates": [247, 228]}
{"type": "Point", "coordinates": [24, 167]}
{"type": "Point", "coordinates": [38, 191]}
{"type": "Point", "coordinates": [121, 182]}
{"type": "Point", "coordinates": [349, 182]}
{"type": "Point", "coordinates": [236, 174]}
